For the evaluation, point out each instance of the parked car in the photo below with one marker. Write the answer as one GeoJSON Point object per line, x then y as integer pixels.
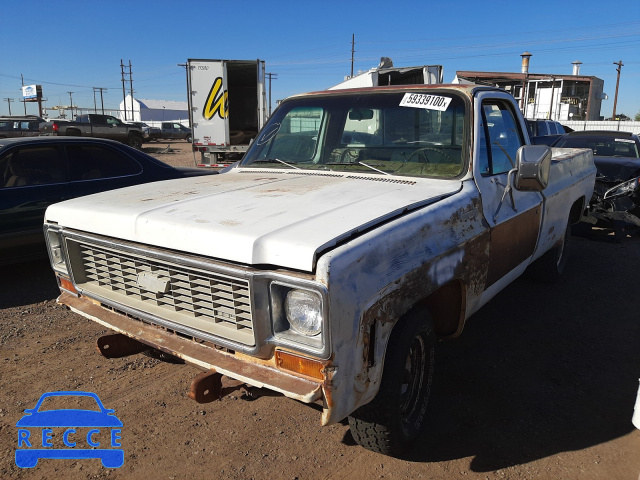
{"type": "Point", "coordinates": [36, 172]}
{"type": "Point", "coordinates": [20, 126]}
{"type": "Point", "coordinates": [148, 132]}
{"type": "Point", "coordinates": [616, 197]}
{"type": "Point", "coordinates": [175, 130]}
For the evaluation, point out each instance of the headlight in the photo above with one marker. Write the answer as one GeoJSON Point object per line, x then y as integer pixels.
{"type": "Point", "coordinates": [298, 316]}
{"type": "Point", "coordinates": [625, 188]}
{"type": "Point", "coordinates": [56, 252]}
{"type": "Point", "coordinates": [303, 309]}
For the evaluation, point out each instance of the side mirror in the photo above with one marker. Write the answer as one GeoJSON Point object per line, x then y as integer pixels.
{"type": "Point", "coordinates": [532, 168]}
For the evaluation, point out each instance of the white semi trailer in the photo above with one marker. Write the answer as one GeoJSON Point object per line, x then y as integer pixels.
{"type": "Point", "coordinates": [227, 108]}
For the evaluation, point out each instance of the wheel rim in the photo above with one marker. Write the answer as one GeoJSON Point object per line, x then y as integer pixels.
{"type": "Point", "coordinates": [412, 378]}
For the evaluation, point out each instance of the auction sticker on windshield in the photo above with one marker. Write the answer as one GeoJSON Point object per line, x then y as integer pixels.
{"type": "Point", "coordinates": [421, 100]}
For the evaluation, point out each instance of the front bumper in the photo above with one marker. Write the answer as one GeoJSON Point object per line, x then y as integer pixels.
{"type": "Point", "coordinates": [250, 370]}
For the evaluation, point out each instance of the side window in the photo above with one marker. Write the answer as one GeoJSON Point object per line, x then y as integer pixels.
{"type": "Point", "coordinates": [93, 162]}
{"type": "Point", "coordinates": [502, 138]}
{"type": "Point", "coordinates": [28, 166]}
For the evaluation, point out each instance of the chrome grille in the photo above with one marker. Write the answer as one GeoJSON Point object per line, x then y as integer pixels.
{"type": "Point", "coordinates": [211, 302]}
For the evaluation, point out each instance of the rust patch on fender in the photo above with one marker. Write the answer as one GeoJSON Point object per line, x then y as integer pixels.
{"type": "Point", "coordinates": [468, 278]}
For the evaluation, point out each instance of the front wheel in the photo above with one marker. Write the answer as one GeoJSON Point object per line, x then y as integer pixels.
{"type": "Point", "coordinates": [135, 141]}
{"type": "Point", "coordinates": [394, 418]}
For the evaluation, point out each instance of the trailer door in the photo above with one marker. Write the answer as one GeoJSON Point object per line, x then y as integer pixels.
{"type": "Point", "coordinates": [209, 102]}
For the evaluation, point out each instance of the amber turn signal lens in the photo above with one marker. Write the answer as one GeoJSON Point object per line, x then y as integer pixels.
{"type": "Point", "coordinates": [304, 366]}
{"type": "Point", "coordinates": [67, 285]}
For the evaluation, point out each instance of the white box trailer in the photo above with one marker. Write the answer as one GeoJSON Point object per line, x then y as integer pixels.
{"type": "Point", "coordinates": [227, 107]}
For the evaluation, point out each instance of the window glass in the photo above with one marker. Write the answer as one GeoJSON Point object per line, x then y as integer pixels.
{"type": "Point", "coordinates": [92, 162]}
{"type": "Point", "coordinates": [603, 146]}
{"type": "Point", "coordinates": [28, 166]}
{"type": "Point", "coordinates": [400, 133]}
{"type": "Point", "coordinates": [504, 137]}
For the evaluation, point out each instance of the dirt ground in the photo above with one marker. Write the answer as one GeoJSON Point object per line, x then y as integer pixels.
{"type": "Point", "coordinates": [540, 385]}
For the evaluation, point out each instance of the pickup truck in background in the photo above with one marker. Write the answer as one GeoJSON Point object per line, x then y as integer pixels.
{"type": "Point", "coordinates": [360, 227]}
{"type": "Point", "coordinates": [174, 131]}
{"type": "Point", "coordinates": [96, 125]}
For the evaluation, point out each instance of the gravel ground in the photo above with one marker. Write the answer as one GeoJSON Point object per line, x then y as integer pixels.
{"type": "Point", "coordinates": [540, 385]}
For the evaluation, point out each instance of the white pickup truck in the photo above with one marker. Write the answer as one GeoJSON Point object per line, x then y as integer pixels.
{"type": "Point", "coordinates": [360, 226]}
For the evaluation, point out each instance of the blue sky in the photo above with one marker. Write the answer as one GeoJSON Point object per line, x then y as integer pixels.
{"type": "Point", "coordinates": [68, 45]}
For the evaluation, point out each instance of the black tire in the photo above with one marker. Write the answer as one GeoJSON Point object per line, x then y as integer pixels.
{"type": "Point", "coordinates": [135, 141]}
{"type": "Point", "coordinates": [188, 138]}
{"type": "Point", "coordinates": [395, 417]}
{"type": "Point", "coordinates": [550, 266]}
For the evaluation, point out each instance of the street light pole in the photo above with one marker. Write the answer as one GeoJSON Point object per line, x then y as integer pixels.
{"type": "Point", "coordinates": [615, 99]}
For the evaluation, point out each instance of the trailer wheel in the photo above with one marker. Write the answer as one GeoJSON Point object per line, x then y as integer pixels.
{"type": "Point", "coordinates": [395, 417]}
{"type": "Point", "coordinates": [550, 266]}
{"type": "Point", "coordinates": [135, 141]}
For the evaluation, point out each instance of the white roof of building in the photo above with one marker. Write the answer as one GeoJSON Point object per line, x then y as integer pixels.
{"type": "Point", "coordinates": [160, 104]}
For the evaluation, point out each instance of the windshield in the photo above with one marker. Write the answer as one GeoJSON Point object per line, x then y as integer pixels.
{"type": "Point", "coordinates": [602, 146]}
{"type": "Point", "coordinates": [412, 134]}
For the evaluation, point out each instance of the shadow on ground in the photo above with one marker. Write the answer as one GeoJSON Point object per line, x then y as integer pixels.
{"type": "Point", "coordinates": [27, 283]}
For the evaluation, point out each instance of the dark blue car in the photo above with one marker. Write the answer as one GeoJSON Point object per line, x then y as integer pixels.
{"type": "Point", "coordinates": [38, 171]}
{"type": "Point", "coordinates": [63, 433]}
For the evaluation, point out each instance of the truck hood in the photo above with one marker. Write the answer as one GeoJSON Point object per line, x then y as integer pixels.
{"type": "Point", "coordinates": [276, 217]}
{"type": "Point", "coordinates": [616, 169]}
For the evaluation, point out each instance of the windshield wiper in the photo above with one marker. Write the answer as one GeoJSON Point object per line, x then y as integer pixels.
{"type": "Point", "coordinates": [275, 160]}
{"type": "Point", "coordinates": [358, 163]}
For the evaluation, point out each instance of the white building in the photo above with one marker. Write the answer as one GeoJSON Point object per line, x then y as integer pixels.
{"type": "Point", "coordinates": [154, 112]}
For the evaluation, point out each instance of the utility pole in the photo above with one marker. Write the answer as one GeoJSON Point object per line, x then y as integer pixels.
{"type": "Point", "coordinates": [186, 69]}
{"type": "Point", "coordinates": [615, 99]}
{"type": "Point", "coordinates": [270, 75]}
{"type": "Point", "coordinates": [95, 107]}
{"type": "Point", "coordinates": [9, 100]}
{"type": "Point", "coordinates": [23, 102]}
{"type": "Point", "coordinates": [353, 44]}
{"type": "Point", "coordinates": [71, 103]}
{"type": "Point", "coordinates": [124, 95]}
{"type": "Point", "coordinates": [131, 90]}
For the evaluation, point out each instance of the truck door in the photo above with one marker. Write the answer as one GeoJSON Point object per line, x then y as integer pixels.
{"type": "Point", "coordinates": [514, 217]}
{"type": "Point", "coordinates": [99, 126]}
